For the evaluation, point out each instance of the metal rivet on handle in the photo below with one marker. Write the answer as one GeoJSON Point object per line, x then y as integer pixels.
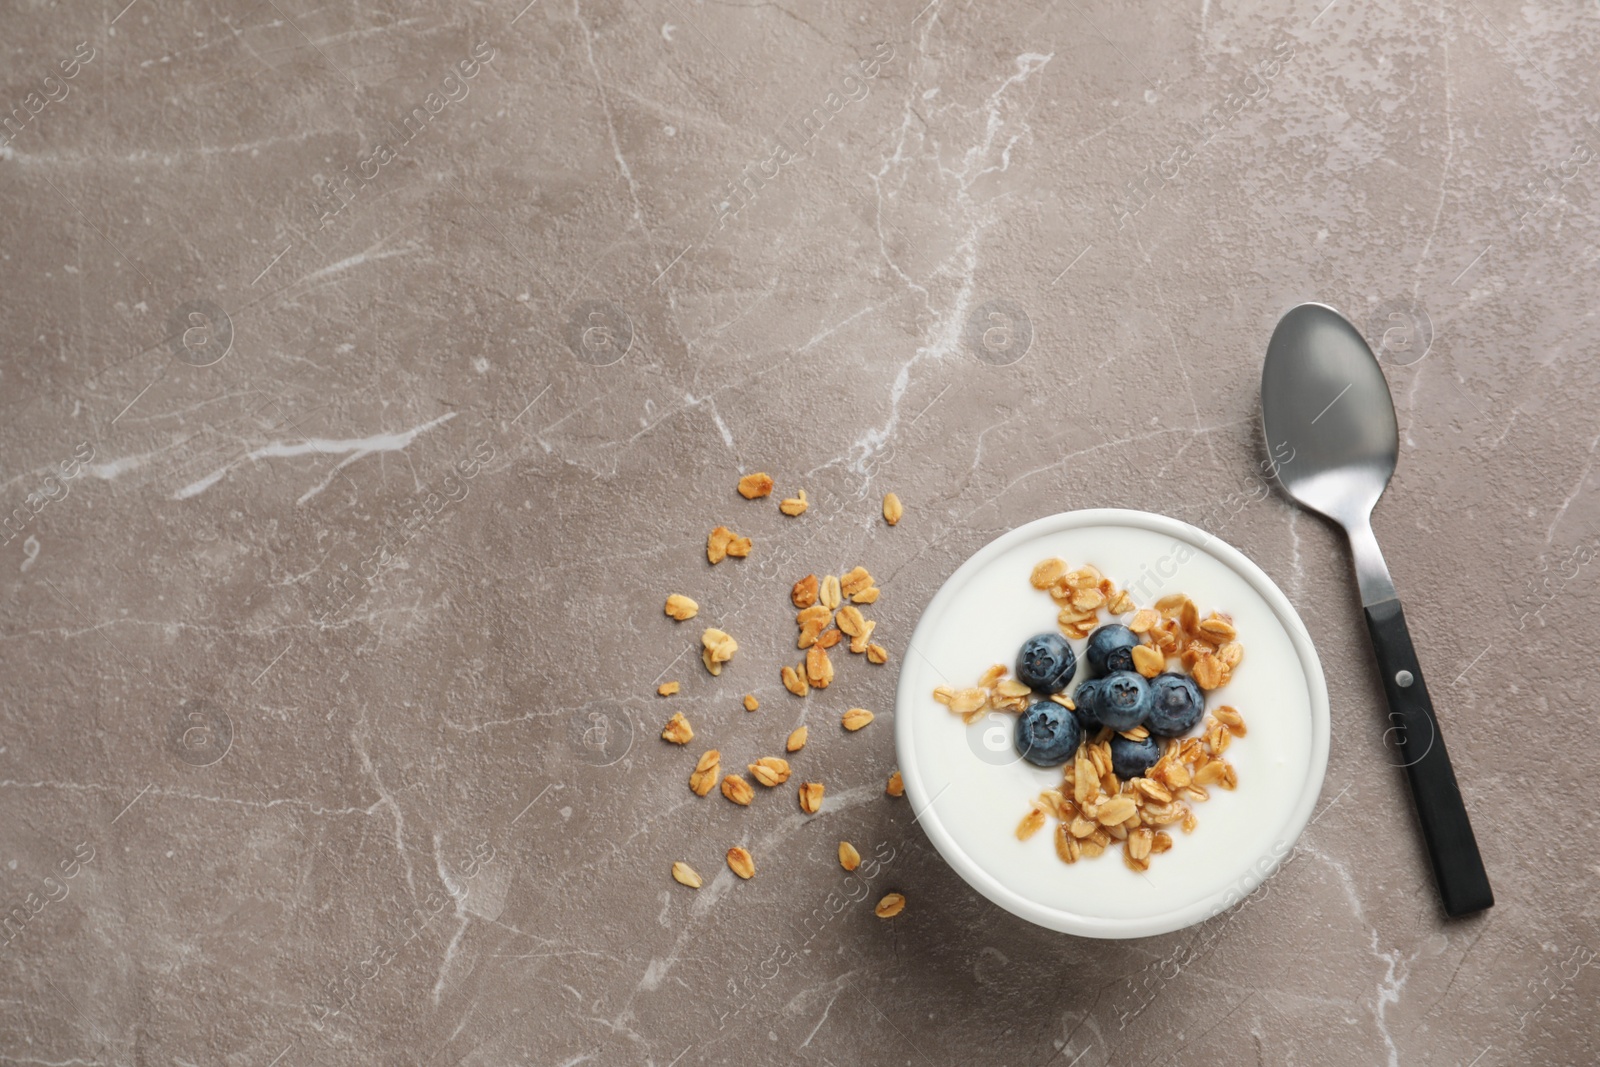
{"type": "Point", "coordinates": [1404, 678]}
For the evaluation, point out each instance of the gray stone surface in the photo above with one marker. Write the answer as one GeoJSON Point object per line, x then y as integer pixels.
{"type": "Point", "coordinates": [353, 759]}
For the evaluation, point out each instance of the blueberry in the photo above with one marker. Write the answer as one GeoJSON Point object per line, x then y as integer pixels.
{"type": "Point", "coordinates": [1046, 663]}
{"type": "Point", "coordinates": [1175, 704]}
{"type": "Point", "coordinates": [1130, 759]}
{"type": "Point", "coordinates": [1110, 649]}
{"type": "Point", "coordinates": [1048, 734]}
{"type": "Point", "coordinates": [1124, 700]}
{"type": "Point", "coordinates": [1087, 698]}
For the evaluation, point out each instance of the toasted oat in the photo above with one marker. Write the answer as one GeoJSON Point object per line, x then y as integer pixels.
{"type": "Point", "coordinates": [1144, 620]}
{"type": "Point", "coordinates": [794, 681]}
{"type": "Point", "coordinates": [828, 638]}
{"type": "Point", "coordinates": [1064, 700]}
{"type": "Point", "coordinates": [1086, 780]}
{"type": "Point", "coordinates": [740, 862]}
{"type": "Point", "coordinates": [794, 506]}
{"type": "Point", "coordinates": [1230, 654]}
{"type": "Point", "coordinates": [1210, 774]}
{"type": "Point", "coordinates": [849, 858]}
{"type": "Point", "coordinates": [1138, 733]}
{"type": "Point", "coordinates": [1130, 861]}
{"type": "Point", "coordinates": [1047, 572]}
{"type": "Point", "coordinates": [678, 730]}
{"type": "Point", "coordinates": [856, 718]}
{"type": "Point", "coordinates": [719, 544]}
{"type": "Point", "coordinates": [854, 581]}
{"type": "Point", "coordinates": [739, 547]}
{"type": "Point", "coordinates": [810, 797]}
{"type": "Point", "coordinates": [861, 641]}
{"type": "Point", "coordinates": [1228, 715]}
{"type": "Point", "coordinates": [890, 906]}
{"type": "Point", "coordinates": [896, 786]}
{"type": "Point", "coordinates": [969, 700]}
{"type": "Point", "coordinates": [850, 620]}
{"type": "Point", "coordinates": [770, 771]}
{"type": "Point", "coordinates": [1115, 811]}
{"type": "Point", "coordinates": [1088, 599]}
{"type": "Point", "coordinates": [1139, 842]}
{"type": "Point", "coordinates": [796, 741]}
{"type": "Point", "coordinates": [684, 874]}
{"type": "Point", "coordinates": [892, 509]}
{"type": "Point", "coordinates": [1067, 846]}
{"type": "Point", "coordinates": [681, 607]}
{"type": "Point", "coordinates": [1152, 790]}
{"type": "Point", "coordinates": [1093, 846]}
{"type": "Point", "coordinates": [705, 772]}
{"type": "Point", "coordinates": [1160, 843]}
{"type": "Point", "coordinates": [1217, 629]}
{"type": "Point", "coordinates": [1147, 661]}
{"type": "Point", "coordinates": [1031, 823]}
{"type": "Point", "coordinates": [877, 654]}
{"type": "Point", "coordinates": [992, 676]}
{"type": "Point", "coordinates": [755, 485]}
{"type": "Point", "coordinates": [943, 694]}
{"type": "Point", "coordinates": [1176, 775]}
{"type": "Point", "coordinates": [750, 702]}
{"type": "Point", "coordinates": [869, 595]}
{"type": "Point", "coordinates": [1120, 603]}
{"type": "Point", "coordinates": [721, 646]}
{"type": "Point", "coordinates": [667, 689]}
{"type": "Point", "coordinates": [736, 789]}
{"type": "Point", "coordinates": [1207, 672]}
{"type": "Point", "coordinates": [1189, 823]}
{"type": "Point", "coordinates": [830, 592]}
{"type": "Point", "coordinates": [819, 670]}
{"type": "Point", "coordinates": [804, 593]}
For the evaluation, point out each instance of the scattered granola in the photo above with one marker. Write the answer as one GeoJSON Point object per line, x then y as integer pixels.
{"type": "Point", "coordinates": [892, 509]}
{"type": "Point", "coordinates": [667, 689]}
{"type": "Point", "coordinates": [856, 718]}
{"type": "Point", "coordinates": [819, 669]}
{"type": "Point", "coordinates": [740, 862]}
{"type": "Point", "coordinates": [896, 786]}
{"type": "Point", "coordinates": [890, 906]}
{"type": "Point", "coordinates": [681, 607]}
{"type": "Point", "coordinates": [750, 702]}
{"type": "Point", "coordinates": [752, 486]}
{"type": "Point", "coordinates": [849, 858]}
{"type": "Point", "coordinates": [684, 874]}
{"type": "Point", "coordinates": [705, 772]}
{"type": "Point", "coordinates": [856, 581]}
{"type": "Point", "coordinates": [796, 741]}
{"type": "Point", "coordinates": [794, 506]}
{"type": "Point", "coordinates": [804, 593]}
{"type": "Point", "coordinates": [770, 771]}
{"type": "Point", "coordinates": [810, 797]}
{"type": "Point", "coordinates": [795, 680]}
{"type": "Point", "coordinates": [830, 593]}
{"type": "Point", "coordinates": [678, 730]}
{"type": "Point", "coordinates": [723, 542]}
{"type": "Point", "coordinates": [719, 649]}
{"type": "Point", "coordinates": [877, 654]}
{"type": "Point", "coordinates": [738, 790]}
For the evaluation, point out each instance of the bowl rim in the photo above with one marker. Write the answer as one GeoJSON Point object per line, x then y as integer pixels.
{"type": "Point", "coordinates": [1178, 918]}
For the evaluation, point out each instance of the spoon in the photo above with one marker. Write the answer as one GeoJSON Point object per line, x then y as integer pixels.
{"type": "Point", "coordinates": [1325, 399]}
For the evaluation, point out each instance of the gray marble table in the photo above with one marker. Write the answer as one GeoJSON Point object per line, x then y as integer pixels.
{"type": "Point", "coordinates": [375, 371]}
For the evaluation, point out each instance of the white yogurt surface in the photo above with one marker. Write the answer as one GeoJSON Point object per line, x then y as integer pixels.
{"type": "Point", "coordinates": [970, 791]}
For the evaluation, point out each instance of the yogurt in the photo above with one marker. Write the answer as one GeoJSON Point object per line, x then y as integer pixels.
{"type": "Point", "coordinates": [969, 789]}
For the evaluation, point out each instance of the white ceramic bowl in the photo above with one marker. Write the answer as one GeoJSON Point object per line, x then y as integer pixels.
{"type": "Point", "coordinates": [969, 790]}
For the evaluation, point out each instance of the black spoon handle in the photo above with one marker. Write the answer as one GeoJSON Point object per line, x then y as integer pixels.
{"type": "Point", "coordinates": [1457, 867]}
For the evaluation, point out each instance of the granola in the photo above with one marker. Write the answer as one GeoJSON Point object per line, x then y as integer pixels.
{"type": "Point", "coordinates": [1096, 806]}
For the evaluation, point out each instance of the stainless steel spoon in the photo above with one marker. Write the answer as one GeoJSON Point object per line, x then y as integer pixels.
{"type": "Point", "coordinates": [1325, 400]}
